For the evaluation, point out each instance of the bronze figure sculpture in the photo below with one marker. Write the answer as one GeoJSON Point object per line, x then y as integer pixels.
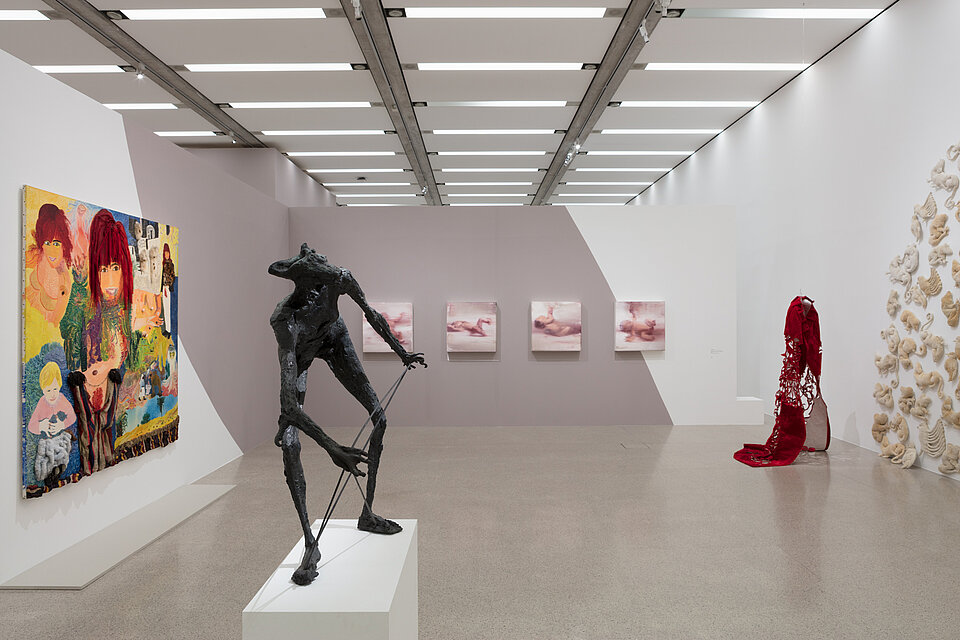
{"type": "Point", "coordinates": [308, 326]}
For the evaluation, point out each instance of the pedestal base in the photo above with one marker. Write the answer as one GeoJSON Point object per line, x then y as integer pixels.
{"type": "Point", "coordinates": [366, 589]}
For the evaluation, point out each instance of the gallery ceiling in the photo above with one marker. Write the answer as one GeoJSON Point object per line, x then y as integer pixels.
{"type": "Point", "coordinates": [379, 111]}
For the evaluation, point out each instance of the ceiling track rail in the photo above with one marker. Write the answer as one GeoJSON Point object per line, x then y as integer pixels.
{"type": "Point", "coordinates": [639, 21]}
{"type": "Point", "coordinates": [373, 35]}
{"type": "Point", "coordinates": [94, 23]}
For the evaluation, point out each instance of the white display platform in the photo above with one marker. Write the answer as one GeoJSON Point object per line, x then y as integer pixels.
{"type": "Point", "coordinates": [366, 589]}
{"type": "Point", "coordinates": [80, 564]}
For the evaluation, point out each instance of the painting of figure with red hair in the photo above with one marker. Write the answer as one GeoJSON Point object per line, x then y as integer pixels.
{"type": "Point", "coordinates": [89, 307]}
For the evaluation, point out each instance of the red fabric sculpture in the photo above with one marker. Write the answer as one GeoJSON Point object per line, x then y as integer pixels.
{"type": "Point", "coordinates": [799, 385]}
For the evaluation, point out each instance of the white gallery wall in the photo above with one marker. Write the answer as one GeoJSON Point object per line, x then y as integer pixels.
{"type": "Point", "coordinates": [824, 176]}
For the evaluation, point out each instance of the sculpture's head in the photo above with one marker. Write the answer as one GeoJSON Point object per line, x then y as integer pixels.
{"type": "Point", "coordinates": [305, 265]}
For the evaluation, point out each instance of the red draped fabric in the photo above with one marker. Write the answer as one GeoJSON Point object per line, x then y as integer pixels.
{"type": "Point", "coordinates": [799, 385]}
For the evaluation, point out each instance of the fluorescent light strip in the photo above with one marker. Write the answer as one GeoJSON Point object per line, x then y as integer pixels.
{"type": "Point", "coordinates": [785, 14]}
{"type": "Point", "coordinates": [587, 204]}
{"type": "Point", "coordinates": [608, 184]}
{"type": "Point", "coordinates": [372, 204]}
{"type": "Point", "coordinates": [21, 14]}
{"type": "Point", "coordinates": [505, 12]}
{"type": "Point", "coordinates": [131, 106]}
{"type": "Point", "coordinates": [298, 105]}
{"type": "Point", "coordinates": [726, 66]}
{"type": "Point", "coordinates": [489, 170]}
{"type": "Point", "coordinates": [681, 104]}
{"type": "Point", "coordinates": [185, 134]}
{"type": "Point", "coordinates": [78, 68]}
{"type": "Point", "coordinates": [224, 14]}
{"type": "Point", "coordinates": [499, 103]}
{"type": "Point", "coordinates": [337, 154]}
{"type": "Point", "coordinates": [595, 195]}
{"type": "Point", "coordinates": [660, 132]}
{"type": "Point", "coordinates": [494, 132]}
{"type": "Point", "coordinates": [491, 153]}
{"type": "Point", "coordinates": [638, 153]}
{"type": "Point", "coordinates": [615, 169]}
{"type": "Point", "coordinates": [366, 184]}
{"type": "Point", "coordinates": [499, 66]}
{"type": "Point", "coordinates": [357, 171]}
{"type": "Point", "coordinates": [486, 195]}
{"type": "Point", "coordinates": [378, 195]}
{"type": "Point", "coordinates": [486, 184]}
{"type": "Point", "coordinates": [270, 66]}
{"type": "Point", "coordinates": [327, 132]}
{"type": "Point", "coordinates": [487, 204]}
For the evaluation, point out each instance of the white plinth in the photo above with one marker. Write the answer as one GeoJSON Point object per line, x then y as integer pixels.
{"type": "Point", "coordinates": [366, 589]}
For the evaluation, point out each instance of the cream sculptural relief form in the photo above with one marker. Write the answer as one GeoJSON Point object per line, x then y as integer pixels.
{"type": "Point", "coordinates": [933, 440]}
{"type": "Point", "coordinates": [908, 458]}
{"type": "Point", "coordinates": [934, 343]}
{"type": "Point", "coordinates": [887, 365]}
{"type": "Point", "coordinates": [931, 286]}
{"type": "Point", "coordinates": [925, 211]}
{"type": "Point", "coordinates": [938, 229]}
{"type": "Point", "coordinates": [955, 272]}
{"type": "Point", "coordinates": [907, 400]}
{"type": "Point", "coordinates": [938, 255]}
{"type": "Point", "coordinates": [950, 364]}
{"type": "Point", "coordinates": [943, 181]}
{"type": "Point", "coordinates": [921, 408]}
{"type": "Point", "coordinates": [884, 395]}
{"type": "Point", "coordinates": [915, 228]}
{"type": "Point", "coordinates": [950, 417]}
{"type": "Point", "coordinates": [912, 323]}
{"type": "Point", "coordinates": [915, 295]}
{"type": "Point", "coordinates": [928, 380]}
{"type": "Point", "coordinates": [950, 308]}
{"type": "Point", "coordinates": [909, 347]}
{"type": "Point", "coordinates": [950, 462]}
{"type": "Point", "coordinates": [892, 338]}
{"type": "Point", "coordinates": [893, 302]}
{"type": "Point", "coordinates": [881, 424]}
{"type": "Point", "coordinates": [900, 427]}
{"type": "Point", "coordinates": [903, 267]}
{"type": "Point", "coordinates": [888, 450]}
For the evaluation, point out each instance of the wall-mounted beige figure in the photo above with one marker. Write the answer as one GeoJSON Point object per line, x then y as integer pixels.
{"type": "Point", "coordinates": [928, 380]}
{"type": "Point", "coordinates": [938, 255]}
{"type": "Point", "coordinates": [950, 462]}
{"type": "Point", "coordinates": [908, 347]}
{"type": "Point", "coordinates": [899, 425]}
{"type": "Point", "coordinates": [881, 424]}
{"type": "Point", "coordinates": [933, 440]}
{"type": "Point", "coordinates": [906, 459]}
{"type": "Point", "coordinates": [921, 408]}
{"type": "Point", "coordinates": [931, 286]}
{"type": "Point", "coordinates": [883, 395]}
{"type": "Point", "coordinates": [955, 272]}
{"type": "Point", "coordinates": [915, 228]}
{"type": "Point", "coordinates": [950, 308]}
{"type": "Point", "coordinates": [902, 267]}
{"type": "Point", "coordinates": [892, 337]}
{"type": "Point", "coordinates": [950, 416]}
{"type": "Point", "coordinates": [951, 366]}
{"type": "Point", "coordinates": [887, 365]}
{"type": "Point", "coordinates": [915, 295]}
{"type": "Point", "coordinates": [893, 303]}
{"type": "Point", "coordinates": [912, 323]}
{"type": "Point", "coordinates": [938, 230]}
{"type": "Point", "coordinates": [888, 450]}
{"type": "Point", "coordinates": [934, 343]}
{"type": "Point", "coordinates": [907, 399]}
{"type": "Point", "coordinates": [927, 210]}
{"type": "Point", "coordinates": [943, 181]}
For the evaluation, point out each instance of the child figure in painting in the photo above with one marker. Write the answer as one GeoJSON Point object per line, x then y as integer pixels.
{"type": "Point", "coordinates": [50, 420]}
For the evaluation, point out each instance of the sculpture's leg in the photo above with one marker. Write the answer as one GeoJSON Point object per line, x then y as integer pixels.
{"type": "Point", "coordinates": [293, 470]}
{"type": "Point", "coordinates": [346, 367]}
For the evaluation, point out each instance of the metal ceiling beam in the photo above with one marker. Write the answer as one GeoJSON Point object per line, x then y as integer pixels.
{"type": "Point", "coordinates": [637, 24]}
{"type": "Point", "coordinates": [93, 22]}
{"type": "Point", "coordinates": [376, 43]}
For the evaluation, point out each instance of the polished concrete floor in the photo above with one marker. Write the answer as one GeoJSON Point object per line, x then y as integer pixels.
{"type": "Point", "coordinates": [567, 533]}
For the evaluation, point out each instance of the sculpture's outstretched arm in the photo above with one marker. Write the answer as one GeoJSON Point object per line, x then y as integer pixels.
{"type": "Point", "coordinates": [377, 321]}
{"type": "Point", "coordinates": [347, 458]}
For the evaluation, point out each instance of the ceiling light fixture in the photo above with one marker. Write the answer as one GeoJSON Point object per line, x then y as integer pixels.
{"type": "Point", "coordinates": [21, 14]}
{"type": "Point", "coordinates": [493, 132]}
{"type": "Point", "coordinates": [337, 154]}
{"type": "Point", "coordinates": [357, 171]}
{"type": "Point", "coordinates": [491, 153]}
{"type": "Point", "coordinates": [124, 106]}
{"type": "Point", "coordinates": [366, 184]}
{"type": "Point", "coordinates": [596, 195]}
{"type": "Point", "coordinates": [78, 68]}
{"type": "Point", "coordinates": [486, 204]}
{"type": "Point", "coordinates": [498, 103]}
{"type": "Point", "coordinates": [638, 153]}
{"type": "Point", "coordinates": [609, 184]}
{"type": "Point", "coordinates": [378, 195]}
{"type": "Point", "coordinates": [499, 66]}
{"type": "Point", "coordinates": [269, 66]}
{"type": "Point", "coordinates": [140, 72]}
{"type": "Point", "coordinates": [785, 14]}
{"type": "Point", "coordinates": [185, 134]}
{"type": "Point", "coordinates": [489, 170]}
{"type": "Point", "coordinates": [305, 13]}
{"type": "Point", "coordinates": [297, 105]}
{"type": "Point", "coordinates": [657, 132]}
{"type": "Point", "coordinates": [680, 104]}
{"type": "Point", "coordinates": [615, 169]}
{"type": "Point", "coordinates": [486, 184]}
{"type": "Point", "coordinates": [726, 66]}
{"type": "Point", "coordinates": [505, 12]}
{"type": "Point", "coordinates": [486, 195]}
{"type": "Point", "coordinates": [327, 132]}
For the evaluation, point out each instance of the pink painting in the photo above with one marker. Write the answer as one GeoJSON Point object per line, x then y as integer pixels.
{"type": "Point", "coordinates": [471, 327]}
{"type": "Point", "coordinates": [399, 317]}
{"type": "Point", "coordinates": [555, 326]}
{"type": "Point", "coordinates": [640, 326]}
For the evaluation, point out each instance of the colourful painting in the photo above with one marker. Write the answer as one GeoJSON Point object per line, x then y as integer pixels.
{"type": "Point", "coordinates": [472, 327]}
{"type": "Point", "coordinates": [99, 339]}
{"type": "Point", "coordinates": [399, 317]}
{"type": "Point", "coordinates": [640, 326]}
{"type": "Point", "coordinates": [555, 326]}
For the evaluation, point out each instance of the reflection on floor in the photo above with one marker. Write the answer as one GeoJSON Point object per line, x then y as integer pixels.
{"type": "Point", "coordinates": [564, 533]}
